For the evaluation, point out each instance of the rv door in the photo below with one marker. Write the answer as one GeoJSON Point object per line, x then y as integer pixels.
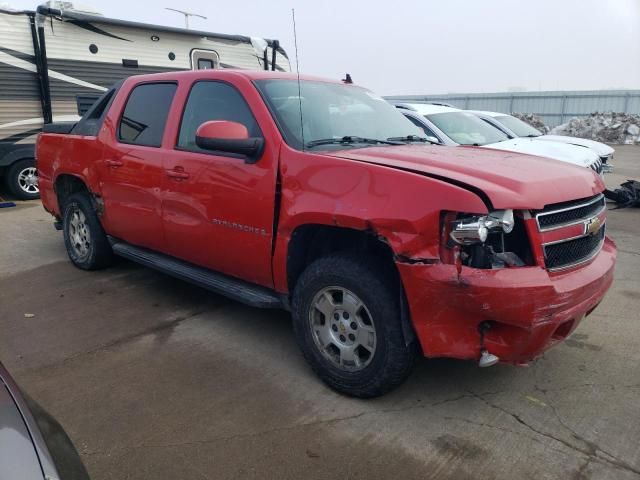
{"type": "Point", "coordinates": [204, 59]}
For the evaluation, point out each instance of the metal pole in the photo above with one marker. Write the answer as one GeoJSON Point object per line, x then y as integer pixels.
{"type": "Point", "coordinates": [626, 102]}
{"type": "Point", "coordinates": [186, 15]}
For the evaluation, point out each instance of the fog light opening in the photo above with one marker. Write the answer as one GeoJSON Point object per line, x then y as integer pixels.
{"type": "Point", "coordinates": [563, 330]}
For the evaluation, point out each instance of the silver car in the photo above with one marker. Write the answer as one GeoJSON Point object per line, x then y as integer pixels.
{"type": "Point", "coordinates": [33, 446]}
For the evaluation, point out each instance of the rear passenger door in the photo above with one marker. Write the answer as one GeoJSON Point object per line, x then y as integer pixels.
{"type": "Point", "coordinates": [131, 170]}
{"type": "Point", "coordinates": [220, 213]}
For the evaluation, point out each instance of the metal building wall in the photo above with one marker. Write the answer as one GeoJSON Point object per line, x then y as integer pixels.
{"type": "Point", "coordinates": [554, 108]}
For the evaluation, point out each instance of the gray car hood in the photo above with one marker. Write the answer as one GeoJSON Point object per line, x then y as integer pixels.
{"type": "Point", "coordinates": [602, 149]}
{"type": "Point", "coordinates": [18, 457]}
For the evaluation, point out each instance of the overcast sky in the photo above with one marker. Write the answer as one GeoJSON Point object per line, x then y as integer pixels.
{"type": "Point", "coordinates": [429, 46]}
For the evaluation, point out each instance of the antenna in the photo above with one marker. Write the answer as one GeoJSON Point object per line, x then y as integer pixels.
{"type": "Point", "coordinates": [186, 15]}
{"type": "Point", "coordinates": [295, 43]}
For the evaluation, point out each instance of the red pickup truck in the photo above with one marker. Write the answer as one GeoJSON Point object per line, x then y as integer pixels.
{"type": "Point", "coordinates": [321, 198]}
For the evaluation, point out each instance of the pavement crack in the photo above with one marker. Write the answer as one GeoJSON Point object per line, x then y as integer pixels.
{"type": "Point", "coordinates": [506, 430]}
{"type": "Point", "coordinates": [590, 450]}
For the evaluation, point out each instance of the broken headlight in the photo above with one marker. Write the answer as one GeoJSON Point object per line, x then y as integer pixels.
{"type": "Point", "coordinates": [475, 229]}
{"type": "Point", "coordinates": [494, 240]}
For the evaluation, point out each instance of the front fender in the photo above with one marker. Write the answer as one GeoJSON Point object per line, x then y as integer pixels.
{"type": "Point", "coordinates": [402, 207]}
{"type": "Point", "coordinates": [15, 153]}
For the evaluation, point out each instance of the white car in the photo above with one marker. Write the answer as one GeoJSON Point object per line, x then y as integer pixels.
{"type": "Point", "coordinates": [516, 128]}
{"type": "Point", "coordinates": [452, 126]}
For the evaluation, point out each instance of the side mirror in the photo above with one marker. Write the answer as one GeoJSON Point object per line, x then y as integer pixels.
{"type": "Point", "coordinates": [229, 137]}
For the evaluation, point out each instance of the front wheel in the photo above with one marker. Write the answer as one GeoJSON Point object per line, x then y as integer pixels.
{"type": "Point", "coordinates": [346, 313]}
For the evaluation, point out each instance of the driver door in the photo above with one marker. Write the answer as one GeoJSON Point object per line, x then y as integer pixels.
{"type": "Point", "coordinates": [217, 209]}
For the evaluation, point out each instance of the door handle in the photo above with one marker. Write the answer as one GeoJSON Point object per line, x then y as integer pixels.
{"type": "Point", "coordinates": [113, 163]}
{"type": "Point", "coordinates": [178, 173]}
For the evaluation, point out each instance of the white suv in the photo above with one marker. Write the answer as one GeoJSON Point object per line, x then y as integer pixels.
{"type": "Point", "coordinates": [516, 128]}
{"type": "Point", "coordinates": [452, 126]}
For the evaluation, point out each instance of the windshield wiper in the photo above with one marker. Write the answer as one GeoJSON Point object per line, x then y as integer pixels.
{"type": "Point", "coordinates": [348, 140]}
{"type": "Point", "coordinates": [412, 138]}
{"type": "Point", "coordinates": [531, 135]}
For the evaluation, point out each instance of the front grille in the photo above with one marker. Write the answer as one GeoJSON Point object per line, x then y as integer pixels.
{"type": "Point", "coordinates": [563, 214]}
{"type": "Point", "coordinates": [573, 252]}
{"type": "Point", "coordinates": [597, 166]}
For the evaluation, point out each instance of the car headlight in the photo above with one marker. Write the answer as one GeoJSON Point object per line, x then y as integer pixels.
{"type": "Point", "coordinates": [474, 229]}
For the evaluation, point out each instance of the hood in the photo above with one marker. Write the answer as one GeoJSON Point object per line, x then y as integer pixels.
{"type": "Point", "coordinates": [509, 180]}
{"type": "Point", "coordinates": [601, 149]}
{"type": "Point", "coordinates": [583, 157]}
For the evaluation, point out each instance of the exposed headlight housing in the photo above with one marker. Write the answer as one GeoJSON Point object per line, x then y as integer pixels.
{"type": "Point", "coordinates": [473, 230]}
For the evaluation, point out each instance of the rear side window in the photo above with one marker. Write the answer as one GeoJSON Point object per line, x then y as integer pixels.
{"type": "Point", "coordinates": [92, 119]}
{"type": "Point", "coordinates": [213, 101]}
{"type": "Point", "coordinates": [145, 114]}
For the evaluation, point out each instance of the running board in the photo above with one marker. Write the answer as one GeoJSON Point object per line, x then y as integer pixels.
{"type": "Point", "coordinates": [248, 293]}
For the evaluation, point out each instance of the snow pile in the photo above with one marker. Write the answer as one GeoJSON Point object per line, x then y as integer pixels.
{"type": "Point", "coordinates": [533, 120]}
{"type": "Point", "coordinates": [609, 127]}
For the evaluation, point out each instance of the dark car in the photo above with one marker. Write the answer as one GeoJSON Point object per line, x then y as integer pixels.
{"type": "Point", "coordinates": [32, 444]}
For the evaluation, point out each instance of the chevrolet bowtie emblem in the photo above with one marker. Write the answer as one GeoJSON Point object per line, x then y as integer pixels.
{"type": "Point", "coordinates": [592, 226]}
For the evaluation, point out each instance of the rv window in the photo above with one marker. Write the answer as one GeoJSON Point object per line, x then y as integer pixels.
{"type": "Point", "coordinates": [213, 101]}
{"type": "Point", "coordinates": [145, 114]}
{"type": "Point", "coordinates": [205, 64]}
{"type": "Point", "coordinates": [204, 59]}
{"type": "Point", "coordinates": [85, 102]}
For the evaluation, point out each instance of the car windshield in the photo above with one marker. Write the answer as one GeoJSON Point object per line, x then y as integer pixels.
{"type": "Point", "coordinates": [334, 116]}
{"type": "Point", "coordinates": [466, 129]}
{"type": "Point", "coordinates": [517, 126]}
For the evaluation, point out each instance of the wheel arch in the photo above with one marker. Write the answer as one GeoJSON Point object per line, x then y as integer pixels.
{"type": "Point", "coordinates": [65, 185]}
{"type": "Point", "coordinates": [21, 152]}
{"type": "Point", "coordinates": [311, 241]}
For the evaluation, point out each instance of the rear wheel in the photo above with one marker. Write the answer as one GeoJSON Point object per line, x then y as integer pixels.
{"type": "Point", "coordinates": [346, 313]}
{"type": "Point", "coordinates": [22, 179]}
{"type": "Point", "coordinates": [84, 238]}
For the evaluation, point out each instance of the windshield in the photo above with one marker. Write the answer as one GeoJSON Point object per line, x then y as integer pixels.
{"type": "Point", "coordinates": [466, 129]}
{"type": "Point", "coordinates": [517, 126]}
{"type": "Point", "coordinates": [333, 111]}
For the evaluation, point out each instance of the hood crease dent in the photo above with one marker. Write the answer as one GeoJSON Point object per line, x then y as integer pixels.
{"type": "Point", "coordinates": [502, 179]}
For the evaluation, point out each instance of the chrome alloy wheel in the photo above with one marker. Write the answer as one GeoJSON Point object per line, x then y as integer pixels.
{"type": "Point", "coordinates": [79, 233]}
{"type": "Point", "coordinates": [28, 180]}
{"type": "Point", "coordinates": [342, 328]}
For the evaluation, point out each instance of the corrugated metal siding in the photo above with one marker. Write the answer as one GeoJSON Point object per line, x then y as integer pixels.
{"type": "Point", "coordinates": [15, 33]}
{"type": "Point", "coordinates": [19, 92]}
{"type": "Point", "coordinates": [66, 40]}
{"type": "Point", "coordinates": [15, 111]}
{"type": "Point", "coordinates": [553, 107]}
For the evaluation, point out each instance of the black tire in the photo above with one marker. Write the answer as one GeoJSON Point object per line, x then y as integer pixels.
{"type": "Point", "coordinates": [379, 292]}
{"type": "Point", "coordinates": [16, 182]}
{"type": "Point", "coordinates": [94, 251]}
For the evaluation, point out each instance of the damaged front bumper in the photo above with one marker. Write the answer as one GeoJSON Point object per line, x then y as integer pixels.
{"type": "Point", "coordinates": [527, 309]}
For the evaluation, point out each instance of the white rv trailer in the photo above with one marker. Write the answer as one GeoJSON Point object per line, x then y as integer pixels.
{"type": "Point", "coordinates": [54, 63]}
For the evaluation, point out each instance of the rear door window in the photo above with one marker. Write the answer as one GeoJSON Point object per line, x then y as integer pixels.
{"type": "Point", "coordinates": [145, 114]}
